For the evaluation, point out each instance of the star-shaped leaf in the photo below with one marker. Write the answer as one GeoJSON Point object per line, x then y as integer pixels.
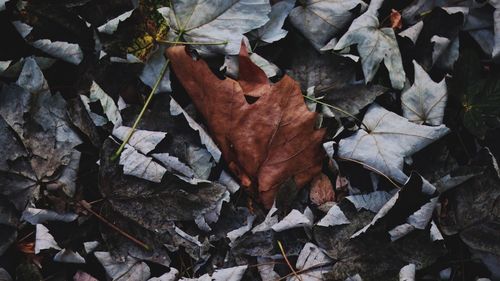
{"type": "Point", "coordinates": [375, 45]}
{"type": "Point", "coordinates": [425, 101]}
{"type": "Point", "coordinates": [386, 140]}
{"type": "Point", "coordinates": [320, 21]}
{"type": "Point", "coordinates": [42, 153]}
{"type": "Point", "coordinates": [217, 21]}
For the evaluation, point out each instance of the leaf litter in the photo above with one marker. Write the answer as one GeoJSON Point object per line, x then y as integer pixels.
{"type": "Point", "coordinates": [364, 135]}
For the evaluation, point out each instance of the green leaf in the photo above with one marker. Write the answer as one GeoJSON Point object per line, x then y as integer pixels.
{"type": "Point", "coordinates": [479, 96]}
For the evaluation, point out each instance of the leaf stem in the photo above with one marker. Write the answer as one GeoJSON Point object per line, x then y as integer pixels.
{"type": "Point", "coordinates": [143, 110]}
{"type": "Point", "coordinates": [288, 262]}
{"type": "Point", "coordinates": [337, 109]}
{"type": "Point", "coordinates": [373, 169]}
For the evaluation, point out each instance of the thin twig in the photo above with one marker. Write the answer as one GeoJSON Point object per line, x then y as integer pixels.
{"type": "Point", "coordinates": [317, 266]}
{"type": "Point", "coordinates": [88, 208]}
{"type": "Point", "coordinates": [25, 237]}
{"type": "Point", "coordinates": [287, 261]}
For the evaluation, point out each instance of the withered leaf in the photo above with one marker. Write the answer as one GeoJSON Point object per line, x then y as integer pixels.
{"type": "Point", "coordinates": [265, 142]}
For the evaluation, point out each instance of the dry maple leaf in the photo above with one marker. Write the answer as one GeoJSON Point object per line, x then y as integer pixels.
{"type": "Point", "coordinates": [266, 141]}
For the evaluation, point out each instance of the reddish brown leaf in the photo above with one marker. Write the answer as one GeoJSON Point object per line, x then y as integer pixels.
{"type": "Point", "coordinates": [396, 22]}
{"type": "Point", "coordinates": [321, 190]}
{"type": "Point", "coordinates": [265, 142]}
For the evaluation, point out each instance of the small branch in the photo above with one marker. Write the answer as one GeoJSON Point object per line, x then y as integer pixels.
{"type": "Point", "coordinates": [288, 262]}
{"type": "Point", "coordinates": [88, 208]}
{"type": "Point", "coordinates": [191, 43]}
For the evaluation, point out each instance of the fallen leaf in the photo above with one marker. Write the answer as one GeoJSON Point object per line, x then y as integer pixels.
{"type": "Point", "coordinates": [386, 140]}
{"type": "Point", "coordinates": [129, 269]}
{"type": "Point", "coordinates": [223, 274]}
{"type": "Point", "coordinates": [65, 51]}
{"type": "Point", "coordinates": [43, 150]}
{"type": "Point", "coordinates": [225, 21]}
{"type": "Point", "coordinates": [396, 21]}
{"type": "Point", "coordinates": [479, 97]}
{"type": "Point", "coordinates": [426, 100]}
{"type": "Point", "coordinates": [373, 201]}
{"type": "Point", "coordinates": [321, 190]}
{"type": "Point", "coordinates": [36, 216]}
{"type": "Point", "coordinates": [111, 26]}
{"type": "Point", "coordinates": [83, 276]}
{"type": "Point", "coordinates": [320, 21]}
{"type": "Point", "coordinates": [413, 31]}
{"type": "Point", "coordinates": [284, 146]}
{"type": "Point", "coordinates": [333, 79]}
{"type": "Point", "coordinates": [310, 257]}
{"type": "Point", "coordinates": [272, 31]}
{"type": "Point", "coordinates": [335, 216]}
{"type": "Point", "coordinates": [8, 224]}
{"type": "Point", "coordinates": [295, 219]}
{"type": "Point", "coordinates": [68, 256]}
{"type": "Point", "coordinates": [44, 240]}
{"type": "Point", "coordinates": [407, 273]}
{"type": "Point", "coordinates": [364, 31]}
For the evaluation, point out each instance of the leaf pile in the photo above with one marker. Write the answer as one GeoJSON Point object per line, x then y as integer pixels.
{"type": "Point", "coordinates": [249, 140]}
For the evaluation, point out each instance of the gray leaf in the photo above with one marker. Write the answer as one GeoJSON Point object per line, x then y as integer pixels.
{"type": "Point", "coordinates": [272, 31]}
{"type": "Point", "coordinates": [129, 269]}
{"type": "Point", "coordinates": [335, 216]}
{"type": "Point", "coordinates": [152, 69]}
{"type": "Point", "coordinates": [37, 216]}
{"type": "Point", "coordinates": [217, 21]}
{"type": "Point", "coordinates": [426, 100]}
{"type": "Point", "coordinates": [374, 46]}
{"type": "Point", "coordinates": [44, 240]}
{"type": "Point", "coordinates": [68, 256]}
{"type": "Point", "coordinates": [65, 51]}
{"type": "Point", "coordinates": [111, 26]}
{"type": "Point", "coordinates": [311, 256]}
{"type": "Point", "coordinates": [388, 140]}
{"type": "Point", "coordinates": [322, 20]}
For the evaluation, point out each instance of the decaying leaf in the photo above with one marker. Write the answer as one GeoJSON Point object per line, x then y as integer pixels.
{"type": "Point", "coordinates": [265, 142]}
{"type": "Point", "coordinates": [321, 190]}
{"type": "Point", "coordinates": [43, 150]}
{"type": "Point", "coordinates": [425, 101]}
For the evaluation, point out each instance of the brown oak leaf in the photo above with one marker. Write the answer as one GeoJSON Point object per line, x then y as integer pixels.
{"type": "Point", "coordinates": [265, 131]}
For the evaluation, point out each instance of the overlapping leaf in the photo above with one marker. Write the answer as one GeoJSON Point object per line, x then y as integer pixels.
{"type": "Point", "coordinates": [284, 146]}
{"type": "Point", "coordinates": [217, 22]}
{"type": "Point", "coordinates": [386, 140]}
{"type": "Point", "coordinates": [375, 45]}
